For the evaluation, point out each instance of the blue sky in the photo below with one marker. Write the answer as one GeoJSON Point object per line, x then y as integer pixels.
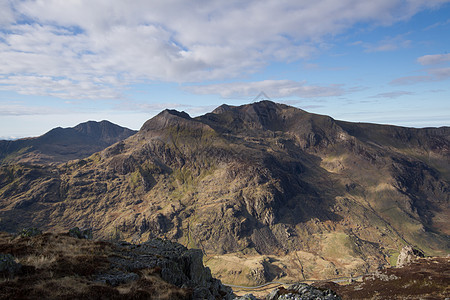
{"type": "Point", "coordinates": [66, 62]}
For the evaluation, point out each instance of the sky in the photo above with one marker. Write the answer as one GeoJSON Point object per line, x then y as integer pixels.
{"type": "Point", "coordinates": [66, 62]}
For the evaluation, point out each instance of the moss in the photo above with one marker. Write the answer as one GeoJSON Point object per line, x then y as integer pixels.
{"type": "Point", "coordinates": [149, 167]}
{"type": "Point", "coordinates": [393, 255]}
{"type": "Point", "coordinates": [339, 245]}
{"type": "Point", "coordinates": [191, 139]}
{"type": "Point", "coordinates": [183, 176]}
{"type": "Point", "coordinates": [29, 232]}
{"type": "Point", "coordinates": [13, 156]}
{"type": "Point", "coordinates": [116, 234]}
{"type": "Point", "coordinates": [134, 179]}
{"type": "Point", "coordinates": [95, 158]}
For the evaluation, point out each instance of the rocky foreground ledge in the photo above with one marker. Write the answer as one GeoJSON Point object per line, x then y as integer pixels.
{"type": "Point", "coordinates": [61, 266]}
{"type": "Point", "coordinates": [35, 265]}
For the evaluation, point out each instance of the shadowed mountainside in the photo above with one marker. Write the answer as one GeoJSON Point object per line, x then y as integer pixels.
{"type": "Point", "coordinates": [63, 144]}
{"type": "Point", "coordinates": [267, 191]}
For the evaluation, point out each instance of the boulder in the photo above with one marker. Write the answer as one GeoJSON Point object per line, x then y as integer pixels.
{"type": "Point", "coordinates": [302, 291]}
{"type": "Point", "coordinates": [29, 232]}
{"type": "Point", "coordinates": [407, 255]}
{"type": "Point", "coordinates": [246, 297]}
{"type": "Point", "coordinates": [81, 233]}
{"type": "Point", "coordinates": [172, 261]}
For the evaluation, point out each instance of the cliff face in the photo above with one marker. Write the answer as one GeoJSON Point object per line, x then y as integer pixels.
{"type": "Point", "coordinates": [265, 190]}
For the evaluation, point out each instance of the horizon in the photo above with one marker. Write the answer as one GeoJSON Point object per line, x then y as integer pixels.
{"type": "Point", "coordinates": [99, 121]}
{"type": "Point", "coordinates": [383, 62]}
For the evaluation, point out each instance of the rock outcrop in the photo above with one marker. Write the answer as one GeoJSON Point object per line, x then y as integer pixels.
{"type": "Point", "coordinates": [81, 233]}
{"type": "Point", "coordinates": [407, 255]}
{"type": "Point", "coordinates": [302, 291]}
{"type": "Point", "coordinates": [175, 264]}
{"type": "Point", "coordinates": [59, 266]}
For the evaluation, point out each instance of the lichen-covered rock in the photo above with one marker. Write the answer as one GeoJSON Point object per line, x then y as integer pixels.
{"type": "Point", "coordinates": [246, 297]}
{"type": "Point", "coordinates": [302, 291]}
{"type": "Point", "coordinates": [81, 233]}
{"type": "Point", "coordinates": [29, 232]}
{"type": "Point", "coordinates": [8, 265]}
{"type": "Point", "coordinates": [115, 277]}
{"type": "Point", "coordinates": [407, 255]}
{"type": "Point", "coordinates": [175, 263]}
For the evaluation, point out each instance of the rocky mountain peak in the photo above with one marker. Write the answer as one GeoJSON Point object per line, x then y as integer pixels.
{"type": "Point", "coordinates": [103, 130]}
{"type": "Point", "coordinates": [167, 117]}
{"type": "Point", "coordinates": [93, 127]}
{"type": "Point", "coordinates": [263, 115]}
{"type": "Point", "coordinates": [266, 113]}
{"type": "Point", "coordinates": [223, 108]}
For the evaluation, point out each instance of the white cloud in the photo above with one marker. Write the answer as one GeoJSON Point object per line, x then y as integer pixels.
{"type": "Point", "coordinates": [434, 59]}
{"type": "Point", "coordinates": [94, 49]}
{"type": "Point", "coordinates": [154, 107]}
{"type": "Point", "coordinates": [273, 88]}
{"type": "Point", "coordinates": [438, 72]}
{"type": "Point", "coordinates": [18, 109]}
{"type": "Point", "coordinates": [6, 13]}
{"type": "Point", "coordinates": [392, 95]}
{"type": "Point", "coordinates": [441, 73]}
{"type": "Point", "coordinates": [386, 44]}
{"type": "Point", "coordinates": [438, 24]}
{"type": "Point", "coordinates": [411, 80]}
{"type": "Point", "coordinates": [57, 87]}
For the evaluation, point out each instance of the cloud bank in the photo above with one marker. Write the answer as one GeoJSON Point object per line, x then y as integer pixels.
{"type": "Point", "coordinates": [273, 88]}
{"type": "Point", "coordinates": [434, 59]}
{"type": "Point", "coordinates": [94, 49]}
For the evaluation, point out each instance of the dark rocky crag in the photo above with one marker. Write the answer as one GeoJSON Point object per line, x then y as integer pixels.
{"type": "Point", "coordinates": [265, 190]}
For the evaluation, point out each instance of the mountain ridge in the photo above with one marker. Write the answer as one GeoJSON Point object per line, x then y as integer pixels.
{"type": "Point", "coordinates": [266, 190]}
{"type": "Point", "coordinates": [64, 144]}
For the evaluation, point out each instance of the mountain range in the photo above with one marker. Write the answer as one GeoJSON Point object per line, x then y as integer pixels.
{"type": "Point", "coordinates": [267, 191]}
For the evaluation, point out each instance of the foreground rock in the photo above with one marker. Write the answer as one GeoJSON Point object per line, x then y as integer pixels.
{"type": "Point", "coordinates": [407, 255]}
{"type": "Point", "coordinates": [59, 266]}
{"type": "Point", "coordinates": [173, 262]}
{"type": "Point", "coordinates": [302, 291]}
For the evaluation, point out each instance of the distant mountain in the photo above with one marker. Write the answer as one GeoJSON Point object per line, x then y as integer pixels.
{"type": "Point", "coordinates": [64, 144]}
{"type": "Point", "coordinates": [267, 191]}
